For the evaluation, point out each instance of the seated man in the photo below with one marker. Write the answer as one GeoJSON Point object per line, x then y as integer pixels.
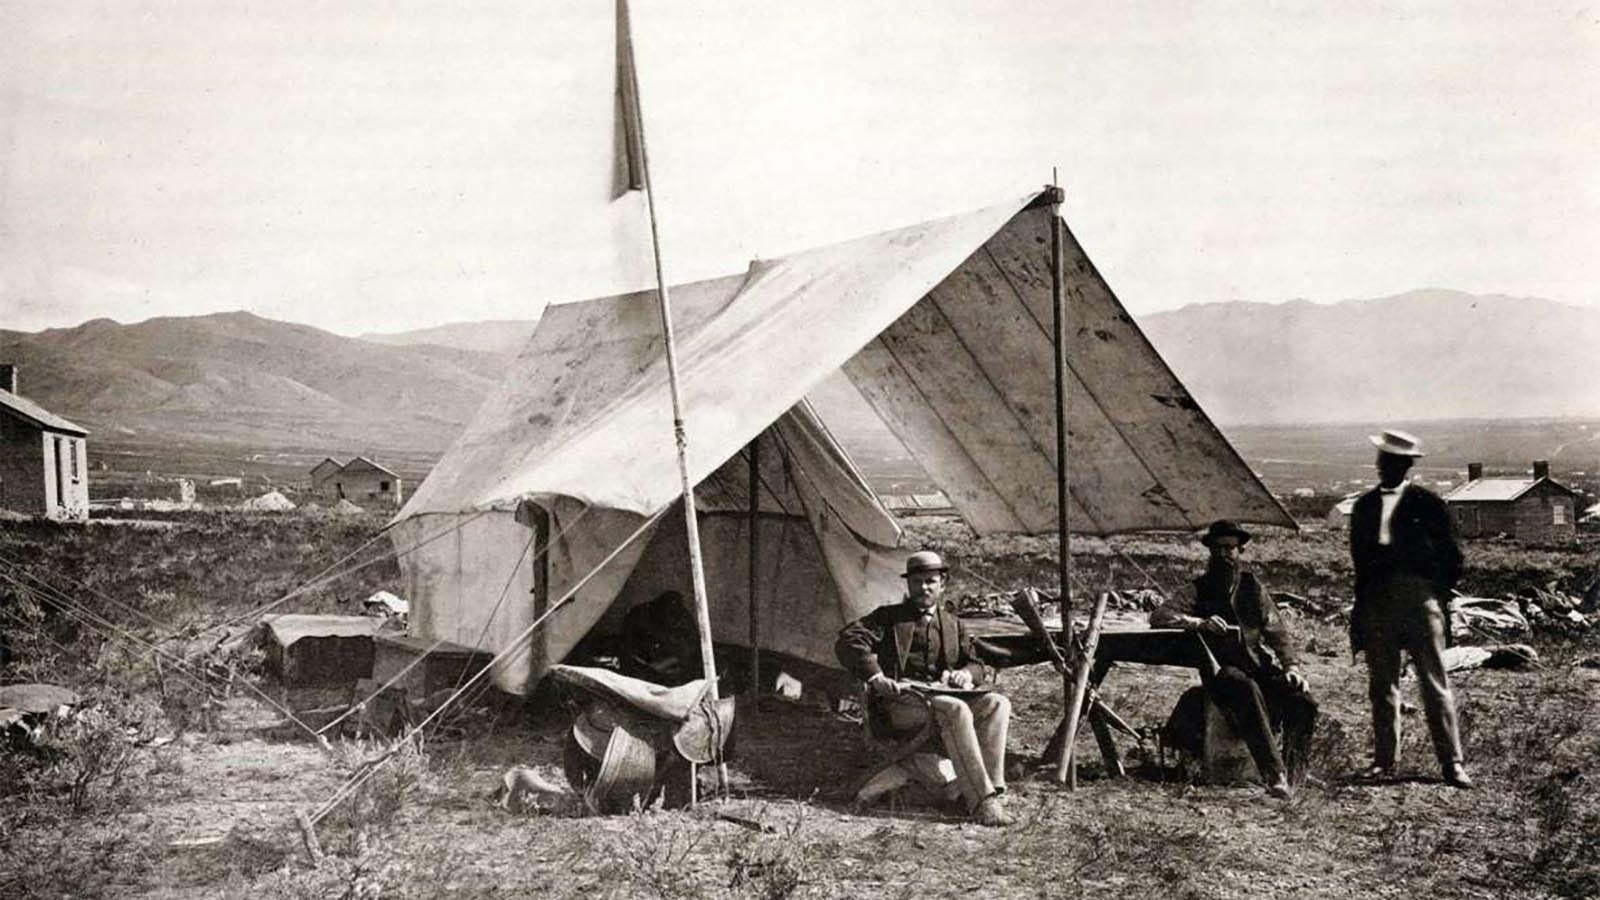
{"type": "Point", "coordinates": [1256, 684]}
{"type": "Point", "coordinates": [659, 642]}
{"type": "Point", "coordinates": [920, 639]}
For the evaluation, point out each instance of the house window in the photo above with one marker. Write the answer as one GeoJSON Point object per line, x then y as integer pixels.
{"type": "Point", "coordinates": [72, 456]}
{"type": "Point", "coordinates": [383, 487]}
{"type": "Point", "coordinates": [1560, 512]}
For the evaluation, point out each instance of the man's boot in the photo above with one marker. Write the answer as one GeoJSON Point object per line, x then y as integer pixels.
{"type": "Point", "coordinates": [992, 812]}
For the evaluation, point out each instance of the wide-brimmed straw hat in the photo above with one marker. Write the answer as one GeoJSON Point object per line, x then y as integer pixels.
{"type": "Point", "coordinates": [924, 561]}
{"type": "Point", "coordinates": [1224, 528]}
{"type": "Point", "coordinates": [1397, 443]}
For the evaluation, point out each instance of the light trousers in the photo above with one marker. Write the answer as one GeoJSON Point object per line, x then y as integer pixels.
{"type": "Point", "coordinates": [973, 731]}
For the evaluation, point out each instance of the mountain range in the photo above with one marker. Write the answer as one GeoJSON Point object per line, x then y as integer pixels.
{"type": "Point", "coordinates": [1429, 354]}
{"type": "Point", "coordinates": [239, 378]}
{"type": "Point", "coordinates": [242, 379]}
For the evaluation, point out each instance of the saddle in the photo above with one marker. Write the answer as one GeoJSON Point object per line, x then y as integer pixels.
{"type": "Point", "coordinates": [634, 740]}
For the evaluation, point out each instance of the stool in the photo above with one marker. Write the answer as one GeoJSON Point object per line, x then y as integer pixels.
{"type": "Point", "coordinates": [1224, 756]}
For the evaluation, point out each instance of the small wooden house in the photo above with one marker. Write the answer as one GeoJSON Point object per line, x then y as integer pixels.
{"type": "Point", "coordinates": [322, 475]}
{"type": "Point", "coordinates": [44, 459]}
{"type": "Point", "coordinates": [363, 481]}
{"type": "Point", "coordinates": [1536, 509]}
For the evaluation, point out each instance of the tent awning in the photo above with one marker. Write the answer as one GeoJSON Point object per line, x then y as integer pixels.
{"type": "Point", "coordinates": [945, 329]}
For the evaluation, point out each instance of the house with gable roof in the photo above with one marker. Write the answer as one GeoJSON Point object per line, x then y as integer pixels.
{"type": "Point", "coordinates": [44, 459]}
{"type": "Point", "coordinates": [360, 481]}
{"type": "Point", "coordinates": [1534, 508]}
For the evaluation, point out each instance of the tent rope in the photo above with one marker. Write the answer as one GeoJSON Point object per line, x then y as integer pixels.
{"type": "Point", "coordinates": [1158, 586]}
{"type": "Point", "coordinates": [323, 578]}
{"type": "Point", "coordinates": [516, 645]}
{"type": "Point", "coordinates": [103, 628]}
{"type": "Point", "coordinates": [1000, 590]}
{"type": "Point", "coordinates": [36, 627]}
{"type": "Point", "coordinates": [442, 641]}
{"type": "Point", "coordinates": [109, 630]}
{"type": "Point", "coordinates": [125, 607]}
{"type": "Point", "coordinates": [533, 535]}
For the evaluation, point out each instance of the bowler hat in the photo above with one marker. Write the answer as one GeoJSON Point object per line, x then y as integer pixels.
{"type": "Point", "coordinates": [924, 561]}
{"type": "Point", "coordinates": [1222, 528]}
{"type": "Point", "coordinates": [1397, 443]}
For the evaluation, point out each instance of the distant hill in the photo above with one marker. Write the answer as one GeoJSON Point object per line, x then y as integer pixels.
{"type": "Point", "coordinates": [1430, 354]}
{"type": "Point", "coordinates": [240, 378]}
{"type": "Point", "coordinates": [500, 336]}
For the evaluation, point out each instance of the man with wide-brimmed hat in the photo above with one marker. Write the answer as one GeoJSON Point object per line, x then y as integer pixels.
{"type": "Point", "coordinates": [1257, 683]}
{"type": "Point", "coordinates": [907, 652]}
{"type": "Point", "coordinates": [1407, 561]}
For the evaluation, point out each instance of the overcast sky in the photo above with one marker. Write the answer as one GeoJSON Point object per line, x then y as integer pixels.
{"type": "Point", "coordinates": [362, 165]}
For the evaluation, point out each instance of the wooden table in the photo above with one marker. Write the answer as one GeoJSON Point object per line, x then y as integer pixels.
{"type": "Point", "coordinates": [1144, 646]}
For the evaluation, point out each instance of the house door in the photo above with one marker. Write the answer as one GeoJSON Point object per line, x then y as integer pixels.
{"type": "Point", "coordinates": [61, 474]}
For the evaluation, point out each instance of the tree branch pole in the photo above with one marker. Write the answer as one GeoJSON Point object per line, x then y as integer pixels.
{"type": "Point", "coordinates": [1067, 768]}
{"type": "Point", "coordinates": [702, 608]}
{"type": "Point", "coordinates": [1063, 548]}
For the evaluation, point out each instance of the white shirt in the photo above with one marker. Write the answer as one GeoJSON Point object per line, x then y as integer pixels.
{"type": "Point", "coordinates": [1390, 498]}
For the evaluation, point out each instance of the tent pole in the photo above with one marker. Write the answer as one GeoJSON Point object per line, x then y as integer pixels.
{"type": "Point", "coordinates": [755, 567]}
{"type": "Point", "coordinates": [1064, 771]}
{"type": "Point", "coordinates": [691, 521]}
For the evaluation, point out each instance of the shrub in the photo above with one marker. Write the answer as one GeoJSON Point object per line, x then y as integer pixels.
{"type": "Point", "coordinates": [372, 807]}
{"type": "Point", "coordinates": [91, 748]}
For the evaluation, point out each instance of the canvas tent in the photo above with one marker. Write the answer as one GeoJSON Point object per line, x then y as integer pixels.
{"type": "Point", "coordinates": [944, 327]}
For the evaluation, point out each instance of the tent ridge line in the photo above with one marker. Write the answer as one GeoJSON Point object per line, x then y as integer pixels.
{"type": "Point", "coordinates": [928, 402]}
{"type": "Point", "coordinates": [1110, 420]}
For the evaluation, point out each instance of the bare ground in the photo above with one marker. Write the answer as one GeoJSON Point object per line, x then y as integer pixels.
{"type": "Point", "coordinates": [210, 814]}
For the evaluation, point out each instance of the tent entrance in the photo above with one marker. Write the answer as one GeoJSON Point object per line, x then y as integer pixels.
{"type": "Point", "coordinates": [826, 557]}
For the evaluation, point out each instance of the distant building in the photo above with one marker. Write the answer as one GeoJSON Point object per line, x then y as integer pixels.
{"type": "Point", "coordinates": [44, 459]}
{"type": "Point", "coordinates": [1537, 509]}
{"type": "Point", "coordinates": [1339, 514]}
{"type": "Point", "coordinates": [321, 474]}
{"type": "Point", "coordinates": [360, 481]}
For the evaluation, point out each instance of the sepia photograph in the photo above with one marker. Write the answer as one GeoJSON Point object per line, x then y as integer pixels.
{"type": "Point", "coordinates": [646, 449]}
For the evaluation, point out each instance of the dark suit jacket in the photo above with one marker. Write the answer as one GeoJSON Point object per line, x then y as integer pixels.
{"type": "Point", "coordinates": [1263, 635]}
{"type": "Point", "coordinates": [880, 641]}
{"type": "Point", "coordinates": [1422, 543]}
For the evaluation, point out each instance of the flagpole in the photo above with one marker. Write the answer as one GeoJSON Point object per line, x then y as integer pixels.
{"type": "Point", "coordinates": [702, 608]}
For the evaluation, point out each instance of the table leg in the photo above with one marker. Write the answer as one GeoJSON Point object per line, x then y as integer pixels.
{"type": "Point", "coordinates": [1108, 747]}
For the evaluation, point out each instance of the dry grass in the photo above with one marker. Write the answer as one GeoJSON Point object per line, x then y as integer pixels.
{"type": "Point", "coordinates": [209, 814]}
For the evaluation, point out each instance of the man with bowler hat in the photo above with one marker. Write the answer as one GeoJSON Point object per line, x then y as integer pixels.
{"type": "Point", "coordinates": [1403, 543]}
{"type": "Point", "coordinates": [1256, 682]}
{"type": "Point", "coordinates": [911, 651]}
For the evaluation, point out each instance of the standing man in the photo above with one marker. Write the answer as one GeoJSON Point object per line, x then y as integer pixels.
{"type": "Point", "coordinates": [1257, 683]}
{"type": "Point", "coordinates": [1403, 543]}
{"type": "Point", "coordinates": [920, 639]}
